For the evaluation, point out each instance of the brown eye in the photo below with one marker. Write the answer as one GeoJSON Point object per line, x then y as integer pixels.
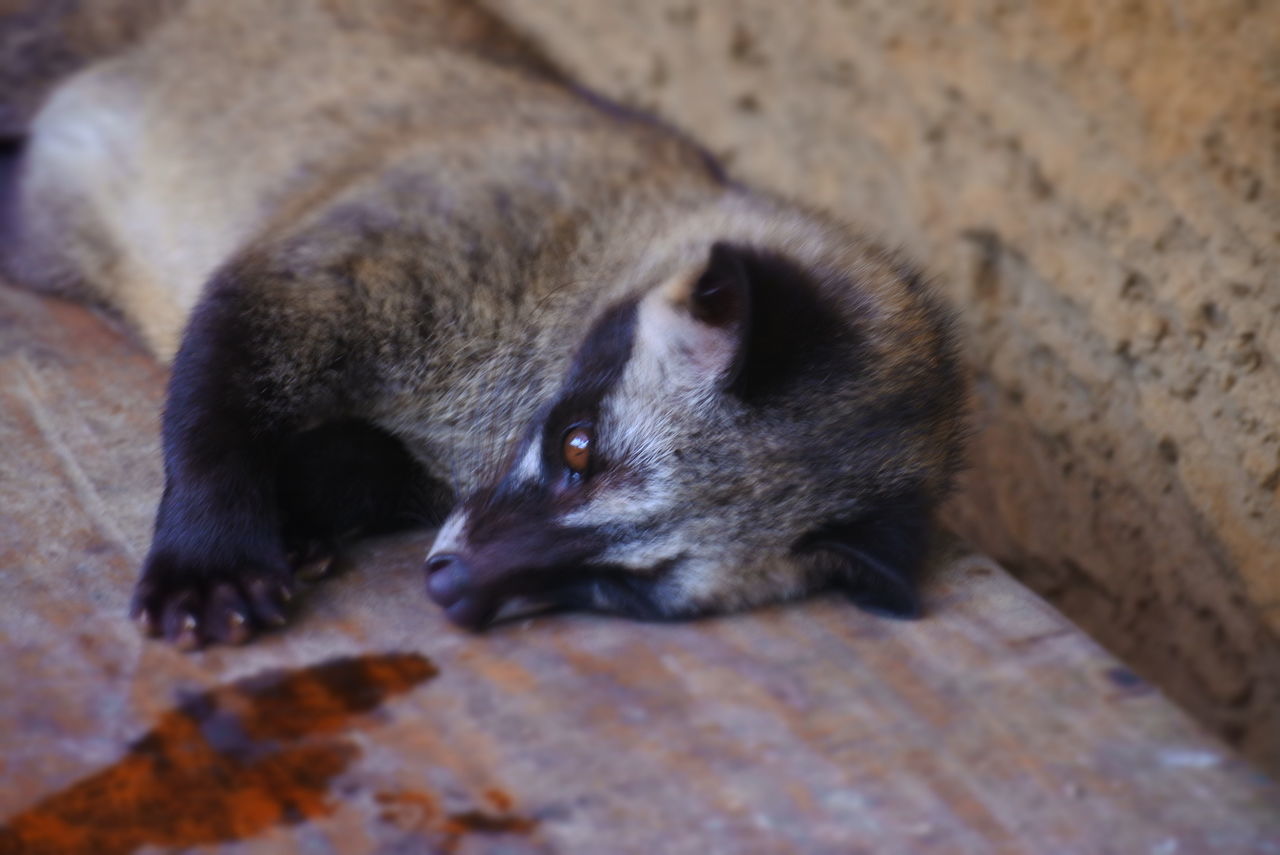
{"type": "Point", "coordinates": [577, 449]}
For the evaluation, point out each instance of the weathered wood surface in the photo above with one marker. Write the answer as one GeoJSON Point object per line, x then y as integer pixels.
{"type": "Point", "coordinates": [371, 725]}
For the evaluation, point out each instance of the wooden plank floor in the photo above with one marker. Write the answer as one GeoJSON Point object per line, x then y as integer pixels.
{"type": "Point", "coordinates": [371, 725]}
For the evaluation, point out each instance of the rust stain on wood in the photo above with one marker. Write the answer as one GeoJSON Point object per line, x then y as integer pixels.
{"type": "Point", "coordinates": [225, 765]}
{"type": "Point", "coordinates": [419, 812]}
{"type": "Point", "coordinates": [461, 822]}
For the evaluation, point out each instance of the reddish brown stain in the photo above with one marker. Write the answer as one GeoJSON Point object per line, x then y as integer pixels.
{"type": "Point", "coordinates": [466, 821]}
{"type": "Point", "coordinates": [498, 798]}
{"type": "Point", "coordinates": [225, 765]}
{"type": "Point", "coordinates": [419, 812]}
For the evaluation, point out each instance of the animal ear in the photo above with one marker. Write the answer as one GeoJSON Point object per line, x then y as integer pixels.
{"type": "Point", "coordinates": [752, 319]}
{"type": "Point", "coordinates": [694, 326]}
{"type": "Point", "coordinates": [875, 559]}
{"type": "Point", "coordinates": [782, 326]}
{"type": "Point", "coordinates": [720, 302]}
{"type": "Point", "coordinates": [721, 295]}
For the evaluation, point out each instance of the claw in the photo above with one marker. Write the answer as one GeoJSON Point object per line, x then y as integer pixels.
{"type": "Point", "coordinates": [146, 624]}
{"type": "Point", "coordinates": [187, 636]}
{"type": "Point", "coordinates": [227, 616]}
{"type": "Point", "coordinates": [238, 631]}
{"type": "Point", "coordinates": [315, 569]}
{"type": "Point", "coordinates": [268, 601]}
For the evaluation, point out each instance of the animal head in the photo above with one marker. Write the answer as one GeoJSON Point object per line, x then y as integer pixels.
{"type": "Point", "coordinates": [753, 423]}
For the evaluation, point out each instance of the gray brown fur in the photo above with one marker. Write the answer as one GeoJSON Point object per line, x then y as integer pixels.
{"type": "Point", "coordinates": [410, 219]}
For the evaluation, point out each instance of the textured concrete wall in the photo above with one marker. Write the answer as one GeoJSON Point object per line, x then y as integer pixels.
{"type": "Point", "coordinates": [1097, 186]}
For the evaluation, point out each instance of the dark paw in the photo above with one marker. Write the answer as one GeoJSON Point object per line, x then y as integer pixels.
{"type": "Point", "coordinates": [195, 607]}
{"type": "Point", "coordinates": [451, 584]}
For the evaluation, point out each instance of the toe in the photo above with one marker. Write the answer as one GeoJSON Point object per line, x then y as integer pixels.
{"type": "Point", "coordinates": [226, 616]}
{"type": "Point", "coordinates": [143, 611]}
{"type": "Point", "coordinates": [179, 622]}
{"type": "Point", "coordinates": [268, 600]}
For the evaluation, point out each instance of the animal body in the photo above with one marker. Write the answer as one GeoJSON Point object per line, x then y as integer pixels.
{"type": "Point", "coordinates": [406, 273]}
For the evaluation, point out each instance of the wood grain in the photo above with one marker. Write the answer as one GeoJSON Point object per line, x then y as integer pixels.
{"type": "Point", "coordinates": [991, 726]}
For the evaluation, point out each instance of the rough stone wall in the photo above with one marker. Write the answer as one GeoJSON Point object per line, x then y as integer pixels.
{"type": "Point", "coordinates": [1097, 186]}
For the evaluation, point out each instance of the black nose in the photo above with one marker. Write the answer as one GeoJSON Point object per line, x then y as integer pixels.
{"type": "Point", "coordinates": [436, 563]}
{"type": "Point", "coordinates": [450, 584]}
{"type": "Point", "coordinates": [447, 577]}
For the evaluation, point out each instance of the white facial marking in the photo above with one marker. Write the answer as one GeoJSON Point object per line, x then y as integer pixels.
{"type": "Point", "coordinates": [674, 372]}
{"type": "Point", "coordinates": [451, 536]}
{"type": "Point", "coordinates": [529, 466]}
{"type": "Point", "coordinates": [669, 337]}
{"type": "Point", "coordinates": [674, 369]}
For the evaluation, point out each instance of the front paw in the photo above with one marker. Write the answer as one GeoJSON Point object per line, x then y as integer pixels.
{"type": "Point", "coordinates": [191, 605]}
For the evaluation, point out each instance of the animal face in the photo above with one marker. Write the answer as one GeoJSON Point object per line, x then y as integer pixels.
{"type": "Point", "coordinates": [745, 430]}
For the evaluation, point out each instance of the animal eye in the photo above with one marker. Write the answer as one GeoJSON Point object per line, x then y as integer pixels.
{"type": "Point", "coordinates": [577, 449]}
